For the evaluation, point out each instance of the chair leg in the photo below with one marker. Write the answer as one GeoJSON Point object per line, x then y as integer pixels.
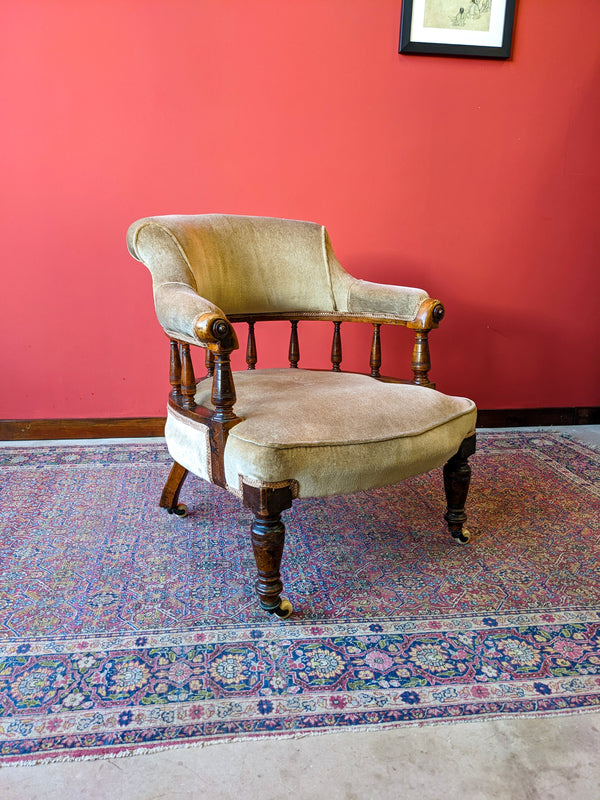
{"type": "Point", "coordinates": [457, 477]}
{"type": "Point", "coordinates": [268, 536]}
{"type": "Point", "coordinates": [170, 494]}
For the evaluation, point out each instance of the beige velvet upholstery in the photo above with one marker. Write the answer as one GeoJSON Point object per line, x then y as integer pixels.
{"type": "Point", "coordinates": [235, 264]}
{"type": "Point", "coordinates": [329, 433]}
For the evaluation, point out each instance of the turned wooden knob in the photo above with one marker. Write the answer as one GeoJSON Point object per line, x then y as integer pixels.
{"type": "Point", "coordinates": [220, 328]}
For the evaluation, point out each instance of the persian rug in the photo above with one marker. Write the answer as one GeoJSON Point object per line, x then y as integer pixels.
{"type": "Point", "coordinates": [124, 629]}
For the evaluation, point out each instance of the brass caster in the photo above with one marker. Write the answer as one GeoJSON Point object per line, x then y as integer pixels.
{"type": "Point", "coordinates": [462, 537]}
{"type": "Point", "coordinates": [180, 510]}
{"type": "Point", "coordinates": [283, 610]}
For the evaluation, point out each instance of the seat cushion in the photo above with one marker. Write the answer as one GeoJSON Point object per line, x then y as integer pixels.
{"type": "Point", "coordinates": [332, 433]}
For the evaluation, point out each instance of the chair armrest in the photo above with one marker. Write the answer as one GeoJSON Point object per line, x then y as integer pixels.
{"type": "Point", "coordinates": [182, 312]}
{"type": "Point", "coordinates": [380, 299]}
{"type": "Point", "coordinates": [186, 316]}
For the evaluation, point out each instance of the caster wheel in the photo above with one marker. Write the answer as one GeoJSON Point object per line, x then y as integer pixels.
{"type": "Point", "coordinates": [283, 610]}
{"type": "Point", "coordinates": [181, 510]}
{"type": "Point", "coordinates": [462, 537]}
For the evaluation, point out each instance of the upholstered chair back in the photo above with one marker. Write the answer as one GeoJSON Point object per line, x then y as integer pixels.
{"type": "Point", "coordinates": [259, 265]}
{"type": "Point", "coordinates": [245, 265]}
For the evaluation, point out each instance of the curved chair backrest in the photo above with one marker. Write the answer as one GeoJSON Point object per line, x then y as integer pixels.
{"type": "Point", "coordinates": [245, 265]}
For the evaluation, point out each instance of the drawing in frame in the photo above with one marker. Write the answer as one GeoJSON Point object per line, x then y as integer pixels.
{"type": "Point", "coordinates": [481, 28]}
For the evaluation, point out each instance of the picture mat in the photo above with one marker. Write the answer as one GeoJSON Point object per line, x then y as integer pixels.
{"type": "Point", "coordinates": [459, 36]}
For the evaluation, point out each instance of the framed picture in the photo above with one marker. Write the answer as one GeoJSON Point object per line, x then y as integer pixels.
{"type": "Point", "coordinates": [481, 28]}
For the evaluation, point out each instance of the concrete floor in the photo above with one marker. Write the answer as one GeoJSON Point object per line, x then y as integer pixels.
{"type": "Point", "coordinates": [550, 758]}
{"type": "Point", "coordinates": [521, 759]}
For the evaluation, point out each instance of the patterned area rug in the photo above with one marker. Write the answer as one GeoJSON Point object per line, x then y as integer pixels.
{"type": "Point", "coordinates": [123, 628]}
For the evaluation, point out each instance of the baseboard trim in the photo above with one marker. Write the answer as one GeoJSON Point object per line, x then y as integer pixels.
{"type": "Point", "coordinates": [33, 429]}
{"type": "Point", "coordinates": [142, 427]}
{"type": "Point", "coordinates": [534, 417]}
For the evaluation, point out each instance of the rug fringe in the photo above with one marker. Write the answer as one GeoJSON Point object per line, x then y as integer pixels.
{"type": "Point", "coordinates": [125, 752]}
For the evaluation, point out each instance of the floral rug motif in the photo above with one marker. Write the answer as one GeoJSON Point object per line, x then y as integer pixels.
{"type": "Point", "coordinates": [124, 629]}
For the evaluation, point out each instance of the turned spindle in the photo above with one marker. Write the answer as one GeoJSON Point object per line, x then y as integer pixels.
{"type": "Point", "coordinates": [336, 348]}
{"type": "Point", "coordinates": [175, 370]}
{"type": "Point", "coordinates": [421, 361]}
{"type": "Point", "coordinates": [188, 380]}
{"type": "Point", "coordinates": [294, 351]}
{"type": "Point", "coordinates": [251, 358]}
{"type": "Point", "coordinates": [375, 360]}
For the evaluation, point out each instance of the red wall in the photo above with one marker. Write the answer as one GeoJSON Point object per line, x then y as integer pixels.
{"type": "Point", "coordinates": [478, 180]}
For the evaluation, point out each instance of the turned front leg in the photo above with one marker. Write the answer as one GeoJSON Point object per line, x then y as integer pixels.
{"type": "Point", "coordinates": [268, 537]}
{"type": "Point", "coordinates": [457, 478]}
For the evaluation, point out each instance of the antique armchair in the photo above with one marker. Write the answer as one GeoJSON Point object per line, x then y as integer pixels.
{"type": "Point", "coordinates": [271, 435]}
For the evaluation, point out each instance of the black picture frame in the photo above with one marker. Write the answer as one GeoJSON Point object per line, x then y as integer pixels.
{"type": "Point", "coordinates": [456, 39]}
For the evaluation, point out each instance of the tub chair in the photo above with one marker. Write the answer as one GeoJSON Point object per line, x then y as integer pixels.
{"type": "Point", "coordinates": [271, 435]}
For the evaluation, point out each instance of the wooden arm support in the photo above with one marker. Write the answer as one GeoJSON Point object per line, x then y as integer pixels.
{"type": "Point", "coordinates": [429, 316]}
{"type": "Point", "coordinates": [219, 339]}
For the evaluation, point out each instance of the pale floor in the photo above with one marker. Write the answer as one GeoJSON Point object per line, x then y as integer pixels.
{"type": "Point", "coordinates": [550, 758]}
